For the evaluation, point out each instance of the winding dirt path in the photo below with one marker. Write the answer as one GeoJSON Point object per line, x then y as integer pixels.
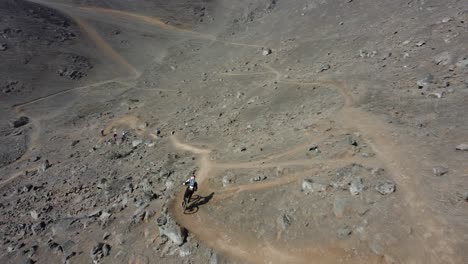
{"type": "Point", "coordinates": [403, 162]}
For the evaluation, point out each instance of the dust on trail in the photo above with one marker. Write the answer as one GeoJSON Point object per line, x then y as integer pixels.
{"type": "Point", "coordinates": [234, 244]}
{"type": "Point", "coordinates": [401, 161]}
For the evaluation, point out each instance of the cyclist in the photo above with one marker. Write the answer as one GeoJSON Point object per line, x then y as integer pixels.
{"type": "Point", "coordinates": [192, 187]}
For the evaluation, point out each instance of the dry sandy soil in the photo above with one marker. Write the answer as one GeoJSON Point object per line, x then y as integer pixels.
{"type": "Point", "coordinates": [320, 131]}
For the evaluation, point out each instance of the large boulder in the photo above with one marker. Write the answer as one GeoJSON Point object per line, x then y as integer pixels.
{"type": "Point", "coordinates": [168, 227]}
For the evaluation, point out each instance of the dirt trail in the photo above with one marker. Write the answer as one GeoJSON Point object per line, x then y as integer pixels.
{"type": "Point", "coordinates": [401, 161]}
{"type": "Point", "coordinates": [134, 17]}
{"type": "Point", "coordinates": [111, 54]}
{"type": "Point", "coordinates": [240, 247]}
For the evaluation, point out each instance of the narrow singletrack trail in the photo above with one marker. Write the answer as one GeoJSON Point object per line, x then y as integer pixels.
{"type": "Point", "coordinates": [134, 17]}
{"type": "Point", "coordinates": [404, 162]}
{"type": "Point", "coordinates": [112, 56]}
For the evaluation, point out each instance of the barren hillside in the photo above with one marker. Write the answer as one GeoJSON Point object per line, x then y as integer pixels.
{"type": "Point", "coordinates": [319, 131]}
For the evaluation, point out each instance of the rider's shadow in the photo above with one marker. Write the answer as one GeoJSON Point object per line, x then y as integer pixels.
{"type": "Point", "coordinates": [196, 201]}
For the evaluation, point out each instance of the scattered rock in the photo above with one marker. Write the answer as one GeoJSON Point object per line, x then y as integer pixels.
{"type": "Point", "coordinates": [465, 196]}
{"type": "Point", "coordinates": [324, 68]}
{"type": "Point", "coordinates": [463, 147]}
{"type": "Point", "coordinates": [34, 215]}
{"type": "Point", "coordinates": [285, 221]}
{"type": "Point", "coordinates": [45, 165]}
{"type": "Point", "coordinates": [136, 143]}
{"type": "Point", "coordinates": [443, 58]}
{"type": "Point", "coordinates": [38, 228]}
{"type": "Point", "coordinates": [34, 159]}
{"type": "Point", "coordinates": [357, 186]}
{"type": "Point", "coordinates": [258, 178]}
{"type": "Point", "coordinates": [75, 142]}
{"type": "Point", "coordinates": [227, 180]}
{"type": "Point", "coordinates": [440, 170]}
{"type": "Point", "coordinates": [162, 220]}
{"type": "Point", "coordinates": [463, 63]}
{"type": "Point", "coordinates": [426, 81]}
{"type": "Point", "coordinates": [173, 231]}
{"type": "Point", "coordinates": [385, 188]}
{"type": "Point", "coordinates": [420, 43]}
{"type": "Point", "coordinates": [352, 141]}
{"type": "Point", "coordinates": [343, 232]}
{"type": "Point", "coordinates": [266, 52]}
{"type": "Point", "coordinates": [99, 251]}
{"type": "Point", "coordinates": [23, 120]}
{"type": "Point", "coordinates": [313, 147]}
{"type": "Point", "coordinates": [185, 251]}
{"type": "Point", "coordinates": [106, 236]}
{"type": "Point", "coordinates": [309, 185]}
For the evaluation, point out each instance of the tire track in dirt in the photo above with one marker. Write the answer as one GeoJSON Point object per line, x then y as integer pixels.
{"type": "Point", "coordinates": [216, 236]}
{"type": "Point", "coordinates": [19, 108]}
{"type": "Point", "coordinates": [400, 160]}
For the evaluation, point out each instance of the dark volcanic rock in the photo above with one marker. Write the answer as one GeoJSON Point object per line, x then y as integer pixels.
{"type": "Point", "coordinates": [23, 120]}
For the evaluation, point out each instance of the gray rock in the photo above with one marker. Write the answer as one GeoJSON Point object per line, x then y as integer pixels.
{"type": "Point", "coordinates": [357, 186]}
{"type": "Point", "coordinates": [106, 236]}
{"type": "Point", "coordinates": [3, 47]}
{"type": "Point", "coordinates": [352, 141]}
{"type": "Point", "coordinates": [38, 227]}
{"type": "Point", "coordinates": [343, 232]}
{"type": "Point", "coordinates": [44, 166]}
{"type": "Point", "coordinates": [21, 121]}
{"type": "Point", "coordinates": [185, 251]}
{"type": "Point", "coordinates": [443, 58]}
{"type": "Point", "coordinates": [463, 147]}
{"type": "Point", "coordinates": [339, 206]}
{"type": "Point", "coordinates": [34, 159]}
{"type": "Point", "coordinates": [173, 231]}
{"type": "Point", "coordinates": [324, 67]}
{"type": "Point", "coordinates": [258, 178]}
{"type": "Point", "coordinates": [463, 63]}
{"type": "Point", "coordinates": [162, 220]}
{"type": "Point", "coordinates": [136, 143]}
{"type": "Point", "coordinates": [309, 185]}
{"type": "Point", "coordinates": [385, 188]}
{"type": "Point", "coordinates": [99, 251]}
{"type": "Point", "coordinates": [34, 215]}
{"type": "Point", "coordinates": [313, 147]}
{"type": "Point", "coordinates": [465, 196]}
{"type": "Point", "coordinates": [439, 170]}
{"type": "Point", "coordinates": [266, 52]}
{"type": "Point", "coordinates": [285, 221]}
{"type": "Point", "coordinates": [420, 43]}
{"type": "Point", "coordinates": [426, 81]}
{"type": "Point", "coordinates": [227, 180]}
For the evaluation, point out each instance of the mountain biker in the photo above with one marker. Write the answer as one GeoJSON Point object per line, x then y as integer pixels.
{"type": "Point", "coordinates": [192, 187]}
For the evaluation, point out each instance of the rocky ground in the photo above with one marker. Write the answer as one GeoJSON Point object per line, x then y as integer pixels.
{"type": "Point", "coordinates": [321, 131]}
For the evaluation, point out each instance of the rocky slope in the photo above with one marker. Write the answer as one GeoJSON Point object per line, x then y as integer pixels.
{"type": "Point", "coordinates": [321, 131]}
